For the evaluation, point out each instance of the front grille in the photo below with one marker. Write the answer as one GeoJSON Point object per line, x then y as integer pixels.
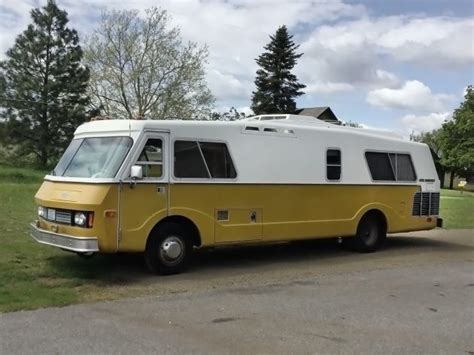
{"type": "Point", "coordinates": [63, 217]}
{"type": "Point", "coordinates": [426, 204]}
{"type": "Point", "coordinates": [59, 216]}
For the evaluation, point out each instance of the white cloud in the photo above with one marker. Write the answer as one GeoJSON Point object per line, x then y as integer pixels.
{"type": "Point", "coordinates": [327, 87]}
{"type": "Point", "coordinates": [345, 49]}
{"type": "Point", "coordinates": [246, 110]}
{"type": "Point", "coordinates": [434, 41]}
{"type": "Point", "coordinates": [413, 95]}
{"type": "Point", "coordinates": [424, 123]}
{"type": "Point", "coordinates": [228, 86]}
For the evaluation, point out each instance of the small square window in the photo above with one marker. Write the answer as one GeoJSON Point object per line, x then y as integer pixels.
{"type": "Point", "coordinates": [333, 164]}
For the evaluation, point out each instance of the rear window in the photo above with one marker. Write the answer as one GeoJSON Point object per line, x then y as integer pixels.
{"type": "Point", "coordinates": [390, 166]}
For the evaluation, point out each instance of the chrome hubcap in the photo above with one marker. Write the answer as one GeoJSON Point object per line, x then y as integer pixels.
{"type": "Point", "coordinates": [171, 250]}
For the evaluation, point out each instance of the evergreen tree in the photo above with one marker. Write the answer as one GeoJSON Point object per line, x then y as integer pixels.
{"type": "Point", "coordinates": [277, 87]}
{"type": "Point", "coordinates": [43, 85]}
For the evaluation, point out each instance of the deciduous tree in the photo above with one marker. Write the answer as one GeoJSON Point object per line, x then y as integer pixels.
{"type": "Point", "coordinates": [457, 138]}
{"type": "Point", "coordinates": [141, 68]}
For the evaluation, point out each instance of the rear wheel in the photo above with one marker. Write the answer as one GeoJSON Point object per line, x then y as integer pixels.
{"type": "Point", "coordinates": [370, 235]}
{"type": "Point", "coordinates": [168, 250]}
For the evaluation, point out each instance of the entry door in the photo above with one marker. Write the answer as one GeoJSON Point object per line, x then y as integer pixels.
{"type": "Point", "coordinates": [145, 201]}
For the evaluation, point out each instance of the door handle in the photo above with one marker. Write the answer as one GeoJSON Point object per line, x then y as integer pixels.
{"type": "Point", "coordinates": [253, 217]}
{"type": "Point", "coordinates": [161, 189]}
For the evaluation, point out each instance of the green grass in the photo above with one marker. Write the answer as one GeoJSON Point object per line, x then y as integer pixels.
{"type": "Point", "coordinates": [457, 209]}
{"type": "Point", "coordinates": [34, 276]}
{"type": "Point", "coordinates": [20, 175]}
{"type": "Point", "coordinates": [22, 264]}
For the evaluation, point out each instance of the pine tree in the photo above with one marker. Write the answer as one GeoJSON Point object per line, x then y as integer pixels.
{"type": "Point", "coordinates": [43, 86]}
{"type": "Point", "coordinates": [277, 87]}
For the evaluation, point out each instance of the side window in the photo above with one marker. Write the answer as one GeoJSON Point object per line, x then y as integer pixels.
{"type": "Point", "coordinates": [390, 166]}
{"type": "Point", "coordinates": [188, 160]}
{"type": "Point", "coordinates": [218, 160]}
{"type": "Point", "coordinates": [333, 164]}
{"type": "Point", "coordinates": [151, 158]}
{"type": "Point", "coordinates": [380, 166]}
{"type": "Point", "coordinates": [404, 167]}
{"type": "Point", "coordinates": [202, 160]}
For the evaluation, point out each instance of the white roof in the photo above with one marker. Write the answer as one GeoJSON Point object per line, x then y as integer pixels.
{"type": "Point", "coordinates": [295, 122]}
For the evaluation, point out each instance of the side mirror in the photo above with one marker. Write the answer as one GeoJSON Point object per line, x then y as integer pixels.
{"type": "Point", "coordinates": [136, 172]}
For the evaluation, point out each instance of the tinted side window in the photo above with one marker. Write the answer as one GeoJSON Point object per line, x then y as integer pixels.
{"type": "Point", "coordinates": [333, 164]}
{"type": "Point", "coordinates": [405, 170]}
{"type": "Point", "coordinates": [218, 160]}
{"type": "Point", "coordinates": [380, 166]}
{"type": "Point", "coordinates": [188, 161]}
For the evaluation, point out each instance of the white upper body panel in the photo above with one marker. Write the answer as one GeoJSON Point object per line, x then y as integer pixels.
{"type": "Point", "coordinates": [279, 151]}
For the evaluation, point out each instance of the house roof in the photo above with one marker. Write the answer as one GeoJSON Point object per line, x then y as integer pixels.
{"type": "Point", "coordinates": [317, 112]}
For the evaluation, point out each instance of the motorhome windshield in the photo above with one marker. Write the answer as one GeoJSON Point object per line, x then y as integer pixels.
{"type": "Point", "coordinates": [98, 157]}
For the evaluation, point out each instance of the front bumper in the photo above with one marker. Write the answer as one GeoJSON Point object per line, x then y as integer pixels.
{"type": "Point", "coordinates": [63, 241]}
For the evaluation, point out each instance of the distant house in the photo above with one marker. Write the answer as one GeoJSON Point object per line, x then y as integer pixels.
{"type": "Point", "coordinates": [322, 113]}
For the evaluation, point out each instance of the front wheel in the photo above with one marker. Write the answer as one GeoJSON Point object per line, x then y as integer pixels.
{"type": "Point", "coordinates": [370, 234]}
{"type": "Point", "coordinates": [168, 250]}
{"type": "Point", "coordinates": [86, 255]}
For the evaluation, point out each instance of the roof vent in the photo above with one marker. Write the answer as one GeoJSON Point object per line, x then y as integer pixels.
{"type": "Point", "coordinates": [273, 130]}
{"type": "Point", "coordinates": [252, 128]}
{"type": "Point", "coordinates": [268, 118]}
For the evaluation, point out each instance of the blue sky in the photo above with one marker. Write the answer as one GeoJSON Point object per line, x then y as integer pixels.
{"type": "Point", "coordinates": [394, 64]}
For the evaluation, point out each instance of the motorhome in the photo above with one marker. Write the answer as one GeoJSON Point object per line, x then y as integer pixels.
{"type": "Point", "coordinates": [166, 187]}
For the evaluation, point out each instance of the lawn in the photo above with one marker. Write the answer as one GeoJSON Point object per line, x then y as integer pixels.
{"type": "Point", "coordinates": [34, 276]}
{"type": "Point", "coordinates": [457, 209]}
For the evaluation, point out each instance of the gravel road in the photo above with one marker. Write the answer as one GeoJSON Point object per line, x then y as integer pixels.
{"type": "Point", "coordinates": [415, 296]}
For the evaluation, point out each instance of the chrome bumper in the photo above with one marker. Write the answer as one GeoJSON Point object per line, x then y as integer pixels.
{"type": "Point", "coordinates": [63, 241]}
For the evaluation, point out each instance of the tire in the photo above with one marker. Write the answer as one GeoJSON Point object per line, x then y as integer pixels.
{"type": "Point", "coordinates": [168, 250]}
{"type": "Point", "coordinates": [86, 256]}
{"type": "Point", "coordinates": [370, 234]}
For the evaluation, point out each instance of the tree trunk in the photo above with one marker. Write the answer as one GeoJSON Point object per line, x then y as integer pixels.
{"type": "Point", "coordinates": [442, 176]}
{"type": "Point", "coordinates": [451, 180]}
{"type": "Point", "coordinates": [42, 158]}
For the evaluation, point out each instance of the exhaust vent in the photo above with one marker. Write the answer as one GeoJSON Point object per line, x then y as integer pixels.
{"type": "Point", "coordinates": [426, 204]}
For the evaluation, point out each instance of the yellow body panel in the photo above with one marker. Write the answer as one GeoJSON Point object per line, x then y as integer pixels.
{"type": "Point", "coordinates": [293, 211]}
{"type": "Point", "coordinates": [82, 197]}
{"type": "Point", "coordinates": [141, 207]}
{"type": "Point", "coordinates": [256, 212]}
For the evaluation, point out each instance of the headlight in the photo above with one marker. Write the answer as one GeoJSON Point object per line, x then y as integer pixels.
{"type": "Point", "coordinates": [41, 211]}
{"type": "Point", "coordinates": [80, 219]}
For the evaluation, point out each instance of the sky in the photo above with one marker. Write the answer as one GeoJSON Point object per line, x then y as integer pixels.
{"type": "Point", "coordinates": [401, 65]}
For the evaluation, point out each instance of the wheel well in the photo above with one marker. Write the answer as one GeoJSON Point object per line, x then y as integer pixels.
{"type": "Point", "coordinates": [191, 230]}
{"type": "Point", "coordinates": [379, 216]}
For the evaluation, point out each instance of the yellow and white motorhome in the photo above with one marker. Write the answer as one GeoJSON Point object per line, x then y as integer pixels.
{"type": "Point", "coordinates": [165, 187]}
